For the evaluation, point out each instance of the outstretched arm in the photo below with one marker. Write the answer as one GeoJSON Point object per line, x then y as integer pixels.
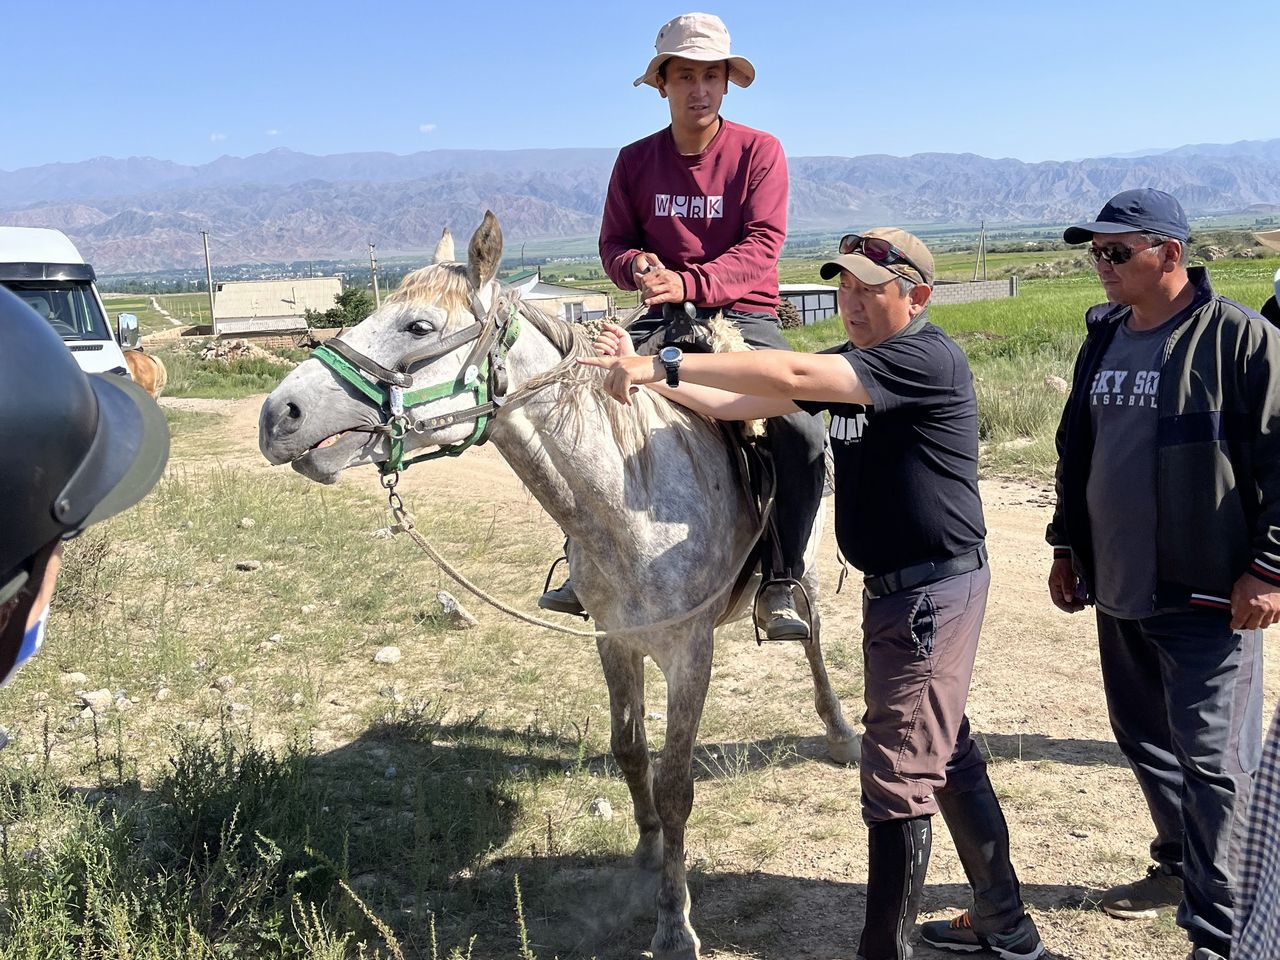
{"type": "Point", "coordinates": [777, 375]}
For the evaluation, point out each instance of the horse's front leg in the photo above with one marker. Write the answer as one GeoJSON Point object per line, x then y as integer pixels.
{"type": "Point", "coordinates": [843, 743]}
{"type": "Point", "coordinates": [687, 679]}
{"type": "Point", "coordinates": [624, 674]}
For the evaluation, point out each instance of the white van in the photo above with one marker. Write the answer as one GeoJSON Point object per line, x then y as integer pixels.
{"type": "Point", "coordinates": [46, 270]}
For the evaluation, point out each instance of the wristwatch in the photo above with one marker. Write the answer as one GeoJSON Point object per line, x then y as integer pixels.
{"type": "Point", "coordinates": [671, 357]}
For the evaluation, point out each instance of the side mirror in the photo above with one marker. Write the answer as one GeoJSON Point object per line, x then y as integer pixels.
{"type": "Point", "coordinates": [127, 328]}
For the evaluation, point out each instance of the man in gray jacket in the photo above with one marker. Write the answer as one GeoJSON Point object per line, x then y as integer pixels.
{"type": "Point", "coordinates": [1168, 522]}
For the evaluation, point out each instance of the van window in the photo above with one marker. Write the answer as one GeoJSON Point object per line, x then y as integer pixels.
{"type": "Point", "coordinates": [69, 306]}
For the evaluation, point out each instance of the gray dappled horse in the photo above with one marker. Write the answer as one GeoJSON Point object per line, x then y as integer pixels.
{"type": "Point", "coordinates": [647, 494]}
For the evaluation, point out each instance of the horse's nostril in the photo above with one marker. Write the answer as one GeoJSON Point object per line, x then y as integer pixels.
{"type": "Point", "coordinates": [292, 409]}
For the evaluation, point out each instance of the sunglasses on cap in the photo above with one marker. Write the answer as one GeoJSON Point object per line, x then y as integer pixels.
{"type": "Point", "coordinates": [1118, 253]}
{"type": "Point", "coordinates": [876, 249]}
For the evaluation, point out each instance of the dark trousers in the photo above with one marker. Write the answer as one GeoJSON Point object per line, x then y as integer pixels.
{"type": "Point", "coordinates": [1184, 693]}
{"type": "Point", "coordinates": [795, 441]}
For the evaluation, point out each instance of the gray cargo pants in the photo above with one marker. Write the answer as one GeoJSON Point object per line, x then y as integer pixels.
{"type": "Point", "coordinates": [918, 650]}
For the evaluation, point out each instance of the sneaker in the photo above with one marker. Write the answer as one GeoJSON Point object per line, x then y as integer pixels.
{"type": "Point", "coordinates": [1019, 942]}
{"type": "Point", "coordinates": [562, 599]}
{"type": "Point", "coordinates": [1204, 953]}
{"type": "Point", "coordinates": [780, 619]}
{"type": "Point", "coordinates": [1158, 893]}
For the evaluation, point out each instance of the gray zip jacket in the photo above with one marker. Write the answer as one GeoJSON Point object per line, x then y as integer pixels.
{"type": "Point", "coordinates": [1217, 450]}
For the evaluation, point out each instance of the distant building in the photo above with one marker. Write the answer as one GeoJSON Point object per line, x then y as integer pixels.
{"type": "Point", "coordinates": [568, 303]}
{"type": "Point", "coordinates": [270, 306]}
{"type": "Point", "coordinates": [814, 301]}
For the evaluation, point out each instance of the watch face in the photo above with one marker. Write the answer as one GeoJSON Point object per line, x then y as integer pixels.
{"type": "Point", "coordinates": [670, 354]}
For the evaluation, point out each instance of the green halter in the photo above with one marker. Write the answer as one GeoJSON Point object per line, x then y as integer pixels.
{"type": "Point", "coordinates": [483, 376]}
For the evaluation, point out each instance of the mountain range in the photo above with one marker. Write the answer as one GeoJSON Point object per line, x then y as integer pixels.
{"type": "Point", "coordinates": [141, 214]}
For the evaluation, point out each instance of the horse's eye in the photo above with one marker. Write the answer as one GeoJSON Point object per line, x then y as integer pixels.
{"type": "Point", "coordinates": [420, 328]}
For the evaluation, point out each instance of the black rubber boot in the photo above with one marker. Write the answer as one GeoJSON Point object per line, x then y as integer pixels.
{"type": "Point", "coordinates": [897, 858]}
{"type": "Point", "coordinates": [981, 836]}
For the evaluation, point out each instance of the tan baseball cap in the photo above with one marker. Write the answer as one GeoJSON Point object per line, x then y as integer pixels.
{"type": "Point", "coordinates": [919, 270]}
{"type": "Point", "coordinates": [696, 36]}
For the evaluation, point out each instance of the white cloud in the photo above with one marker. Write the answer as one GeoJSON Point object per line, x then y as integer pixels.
{"type": "Point", "coordinates": [273, 132]}
{"type": "Point", "coordinates": [215, 137]}
{"type": "Point", "coordinates": [426, 127]}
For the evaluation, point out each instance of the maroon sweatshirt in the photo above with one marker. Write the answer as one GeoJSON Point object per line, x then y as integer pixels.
{"type": "Point", "coordinates": [718, 218]}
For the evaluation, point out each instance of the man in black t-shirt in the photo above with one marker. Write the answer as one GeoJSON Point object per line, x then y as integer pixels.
{"type": "Point", "coordinates": [904, 430]}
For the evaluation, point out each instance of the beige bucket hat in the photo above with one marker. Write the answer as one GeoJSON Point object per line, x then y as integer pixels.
{"type": "Point", "coordinates": [696, 36]}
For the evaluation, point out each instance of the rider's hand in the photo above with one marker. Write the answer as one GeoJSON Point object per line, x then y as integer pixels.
{"type": "Point", "coordinates": [613, 341]}
{"type": "Point", "coordinates": [661, 285]}
{"type": "Point", "coordinates": [625, 373]}
{"type": "Point", "coordinates": [643, 263]}
{"type": "Point", "coordinates": [1062, 586]}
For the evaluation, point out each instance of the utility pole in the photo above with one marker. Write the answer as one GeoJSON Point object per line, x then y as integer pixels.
{"type": "Point", "coordinates": [522, 256]}
{"type": "Point", "coordinates": [373, 269]}
{"type": "Point", "coordinates": [208, 272]}
{"type": "Point", "coordinates": [981, 259]}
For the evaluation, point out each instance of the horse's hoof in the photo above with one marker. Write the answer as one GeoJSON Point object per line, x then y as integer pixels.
{"type": "Point", "coordinates": [845, 752]}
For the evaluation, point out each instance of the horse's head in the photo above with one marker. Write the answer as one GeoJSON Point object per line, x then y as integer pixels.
{"type": "Point", "coordinates": [428, 349]}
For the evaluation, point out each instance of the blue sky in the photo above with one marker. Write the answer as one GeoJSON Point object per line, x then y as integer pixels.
{"type": "Point", "coordinates": [1033, 80]}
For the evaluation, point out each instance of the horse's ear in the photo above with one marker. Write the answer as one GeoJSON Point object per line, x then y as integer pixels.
{"type": "Point", "coordinates": [485, 252]}
{"type": "Point", "coordinates": [444, 249]}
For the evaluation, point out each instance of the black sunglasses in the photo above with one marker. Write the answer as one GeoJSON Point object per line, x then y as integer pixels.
{"type": "Point", "coordinates": [1119, 253]}
{"type": "Point", "coordinates": [877, 250]}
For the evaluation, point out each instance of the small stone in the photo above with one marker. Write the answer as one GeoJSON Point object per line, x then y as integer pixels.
{"type": "Point", "coordinates": [1080, 834]}
{"type": "Point", "coordinates": [247, 523]}
{"type": "Point", "coordinates": [655, 715]}
{"type": "Point", "coordinates": [223, 683]}
{"type": "Point", "coordinates": [387, 655]}
{"type": "Point", "coordinates": [275, 638]}
{"type": "Point", "coordinates": [307, 609]}
{"type": "Point", "coordinates": [164, 693]}
{"type": "Point", "coordinates": [98, 701]}
{"type": "Point", "coordinates": [86, 713]}
{"type": "Point", "coordinates": [40, 698]}
{"type": "Point", "coordinates": [296, 700]}
{"type": "Point", "coordinates": [455, 613]}
{"type": "Point", "coordinates": [249, 565]}
{"type": "Point", "coordinates": [189, 524]}
{"type": "Point", "coordinates": [389, 773]}
{"type": "Point", "coordinates": [602, 808]}
{"type": "Point", "coordinates": [123, 704]}
{"type": "Point", "coordinates": [238, 708]}
{"type": "Point", "coordinates": [76, 681]}
{"type": "Point", "coordinates": [382, 533]}
{"type": "Point", "coordinates": [388, 692]}
{"type": "Point", "coordinates": [1057, 384]}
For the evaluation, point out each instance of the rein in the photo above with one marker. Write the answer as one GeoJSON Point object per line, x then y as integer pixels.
{"type": "Point", "coordinates": [483, 376]}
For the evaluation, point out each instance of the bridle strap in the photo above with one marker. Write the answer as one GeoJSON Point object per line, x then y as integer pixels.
{"type": "Point", "coordinates": [368, 365]}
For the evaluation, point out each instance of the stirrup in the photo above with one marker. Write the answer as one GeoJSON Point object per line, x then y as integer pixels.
{"type": "Point", "coordinates": [546, 588]}
{"type": "Point", "coordinates": [806, 614]}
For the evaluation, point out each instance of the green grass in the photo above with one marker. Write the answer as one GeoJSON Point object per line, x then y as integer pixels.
{"type": "Point", "coordinates": [191, 376]}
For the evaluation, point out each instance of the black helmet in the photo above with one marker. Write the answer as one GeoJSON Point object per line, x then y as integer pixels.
{"type": "Point", "coordinates": [75, 448]}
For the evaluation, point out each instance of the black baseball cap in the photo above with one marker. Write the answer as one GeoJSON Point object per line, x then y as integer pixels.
{"type": "Point", "coordinates": [1143, 210]}
{"type": "Point", "coordinates": [78, 447]}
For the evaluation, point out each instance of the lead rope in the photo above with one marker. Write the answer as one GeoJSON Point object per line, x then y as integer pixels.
{"type": "Point", "coordinates": [404, 524]}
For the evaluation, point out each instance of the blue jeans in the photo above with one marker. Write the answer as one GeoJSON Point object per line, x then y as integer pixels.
{"type": "Point", "coordinates": [1184, 693]}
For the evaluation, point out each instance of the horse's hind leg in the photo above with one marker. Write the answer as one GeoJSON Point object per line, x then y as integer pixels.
{"type": "Point", "coordinates": [624, 674]}
{"type": "Point", "coordinates": [687, 681]}
{"type": "Point", "coordinates": [843, 744]}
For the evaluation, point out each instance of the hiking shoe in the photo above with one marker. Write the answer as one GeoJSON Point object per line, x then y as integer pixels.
{"type": "Point", "coordinates": [1159, 892]}
{"type": "Point", "coordinates": [1019, 942]}
{"type": "Point", "coordinates": [563, 599]}
{"type": "Point", "coordinates": [779, 617]}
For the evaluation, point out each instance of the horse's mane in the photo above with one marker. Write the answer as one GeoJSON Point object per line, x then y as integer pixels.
{"type": "Point", "coordinates": [444, 285]}
{"type": "Point", "coordinates": [583, 396]}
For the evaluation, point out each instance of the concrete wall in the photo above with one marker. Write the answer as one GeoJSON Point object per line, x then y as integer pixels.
{"type": "Point", "coordinates": [977, 290]}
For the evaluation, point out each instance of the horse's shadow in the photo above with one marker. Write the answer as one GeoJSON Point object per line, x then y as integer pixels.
{"type": "Point", "coordinates": [427, 802]}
